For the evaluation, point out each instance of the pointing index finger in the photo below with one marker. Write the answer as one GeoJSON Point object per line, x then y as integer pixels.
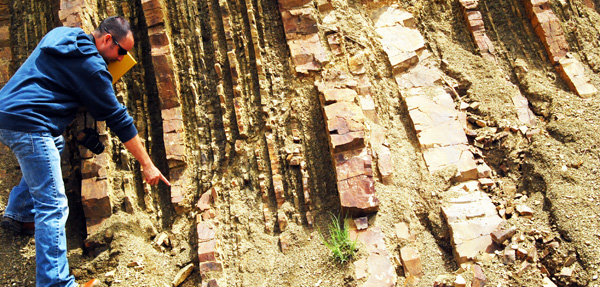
{"type": "Point", "coordinates": [164, 179]}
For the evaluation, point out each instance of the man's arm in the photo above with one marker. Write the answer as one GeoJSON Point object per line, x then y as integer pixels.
{"type": "Point", "coordinates": [151, 174]}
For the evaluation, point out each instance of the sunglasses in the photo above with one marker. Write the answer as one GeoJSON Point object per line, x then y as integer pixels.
{"type": "Point", "coordinates": [122, 51]}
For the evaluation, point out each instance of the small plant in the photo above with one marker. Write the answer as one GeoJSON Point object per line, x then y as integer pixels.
{"type": "Point", "coordinates": [340, 244]}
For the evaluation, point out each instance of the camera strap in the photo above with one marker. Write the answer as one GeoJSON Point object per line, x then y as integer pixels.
{"type": "Point", "coordinates": [90, 138]}
{"type": "Point", "coordinates": [85, 121]}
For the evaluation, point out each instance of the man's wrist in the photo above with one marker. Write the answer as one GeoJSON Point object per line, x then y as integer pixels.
{"type": "Point", "coordinates": [146, 164]}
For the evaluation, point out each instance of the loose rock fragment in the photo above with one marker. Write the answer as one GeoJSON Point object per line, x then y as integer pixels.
{"type": "Point", "coordinates": [361, 223]}
{"type": "Point", "coordinates": [479, 279]}
{"type": "Point", "coordinates": [162, 239]}
{"type": "Point", "coordinates": [524, 210]}
{"type": "Point", "coordinates": [460, 281]}
{"type": "Point", "coordinates": [509, 256]}
{"type": "Point", "coordinates": [411, 261]}
{"type": "Point", "coordinates": [403, 233]}
{"type": "Point", "coordinates": [499, 236]}
{"type": "Point", "coordinates": [183, 274]}
{"type": "Point", "coordinates": [566, 272]}
{"type": "Point", "coordinates": [134, 264]}
{"type": "Point", "coordinates": [570, 260]}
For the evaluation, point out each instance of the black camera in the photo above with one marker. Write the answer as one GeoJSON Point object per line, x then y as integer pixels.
{"type": "Point", "coordinates": [90, 139]}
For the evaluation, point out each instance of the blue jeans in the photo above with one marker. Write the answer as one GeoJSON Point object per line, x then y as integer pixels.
{"type": "Point", "coordinates": [40, 197]}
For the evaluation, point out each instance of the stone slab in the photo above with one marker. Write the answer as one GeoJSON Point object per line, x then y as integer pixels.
{"type": "Point", "coordinates": [94, 198]}
{"type": "Point", "coordinates": [338, 95]}
{"type": "Point", "coordinates": [153, 12]}
{"type": "Point", "coordinates": [418, 76]}
{"type": "Point", "coordinates": [440, 133]}
{"type": "Point", "coordinates": [472, 218]}
{"type": "Point", "coordinates": [458, 155]}
{"type": "Point", "coordinates": [299, 21]}
{"type": "Point", "coordinates": [377, 266]}
{"type": "Point", "coordinates": [357, 194]}
{"type": "Point", "coordinates": [355, 166]}
{"type": "Point", "coordinates": [390, 16]}
{"type": "Point", "coordinates": [411, 261]}
{"type": "Point", "coordinates": [524, 113]}
{"type": "Point", "coordinates": [207, 250]}
{"type": "Point", "coordinates": [573, 72]}
{"type": "Point", "coordinates": [547, 27]}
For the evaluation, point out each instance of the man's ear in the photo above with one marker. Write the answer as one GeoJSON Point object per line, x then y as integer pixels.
{"type": "Point", "coordinates": [106, 38]}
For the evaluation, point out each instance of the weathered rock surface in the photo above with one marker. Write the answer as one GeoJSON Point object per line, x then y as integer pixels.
{"type": "Point", "coordinates": [548, 28]}
{"type": "Point", "coordinates": [476, 26]}
{"type": "Point", "coordinates": [352, 158]}
{"type": "Point", "coordinates": [471, 218]}
{"type": "Point", "coordinates": [440, 134]}
{"type": "Point", "coordinates": [377, 267]}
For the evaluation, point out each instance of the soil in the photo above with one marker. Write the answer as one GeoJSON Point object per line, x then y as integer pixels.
{"type": "Point", "coordinates": [553, 170]}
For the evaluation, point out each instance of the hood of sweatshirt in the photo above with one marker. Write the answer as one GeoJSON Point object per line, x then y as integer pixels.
{"type": "Point", "coordinates": [72, 43]}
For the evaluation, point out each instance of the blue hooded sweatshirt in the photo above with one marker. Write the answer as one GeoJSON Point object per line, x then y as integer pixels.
{"type": "Point", "coordinates": [63, 73]}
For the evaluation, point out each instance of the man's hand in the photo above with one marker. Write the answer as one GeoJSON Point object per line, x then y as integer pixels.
{"type": "Point", "coordinates": [152, 175]}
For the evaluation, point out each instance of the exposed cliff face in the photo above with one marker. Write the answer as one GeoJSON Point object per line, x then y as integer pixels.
{"type": "Point", "coordinates": [464, 132]}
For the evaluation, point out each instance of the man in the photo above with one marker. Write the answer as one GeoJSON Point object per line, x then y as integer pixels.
{"type": "Point", "coordinates": [66, 70]}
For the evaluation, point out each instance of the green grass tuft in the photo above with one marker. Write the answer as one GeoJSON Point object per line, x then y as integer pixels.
{"type": "Point", "coordinates": [339, 243]}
